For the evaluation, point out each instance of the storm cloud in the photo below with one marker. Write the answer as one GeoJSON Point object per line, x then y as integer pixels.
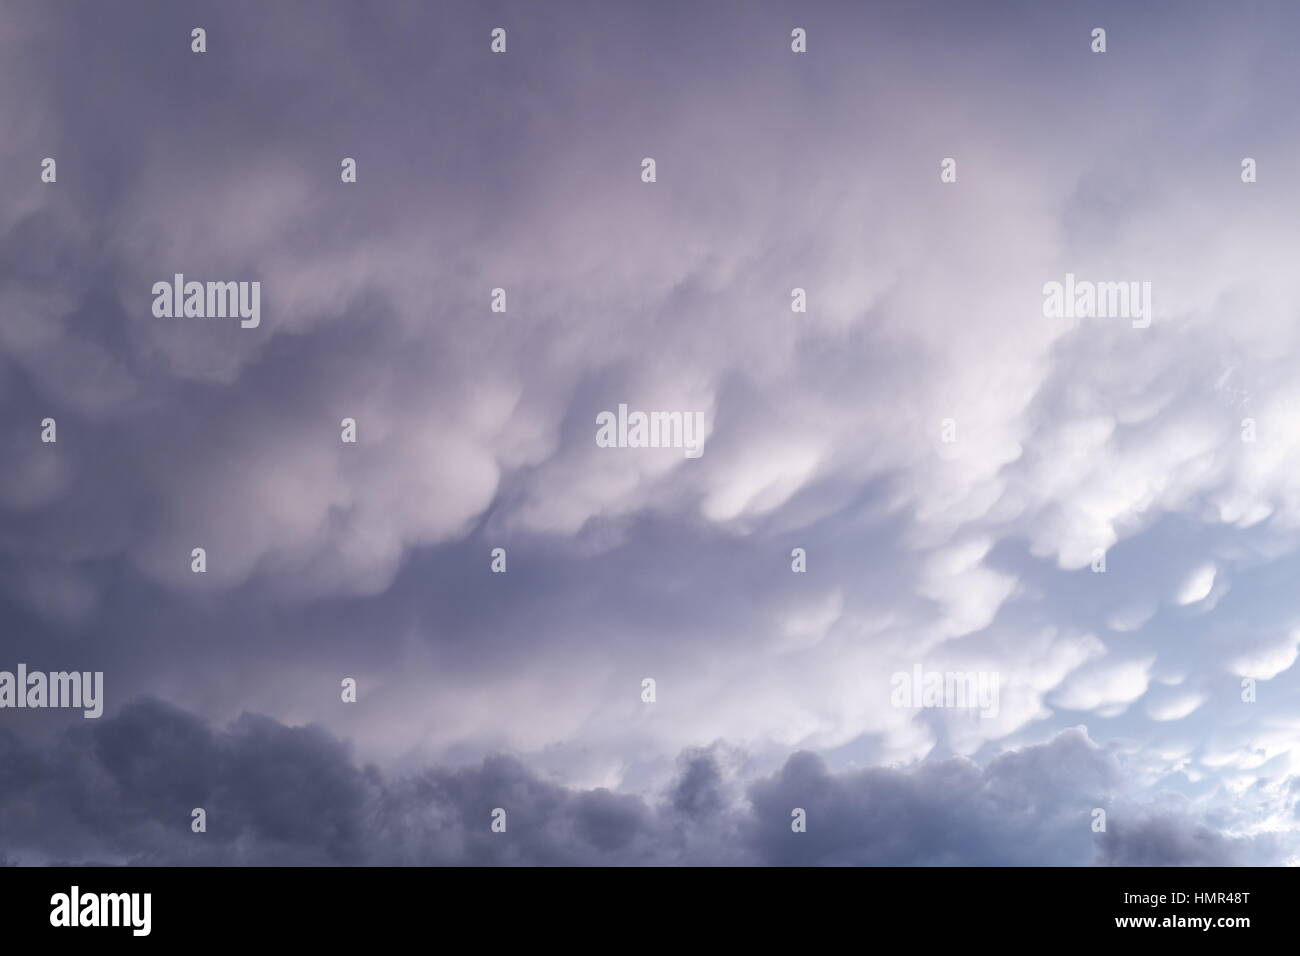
{"type": "Point", "coordinates": [123, 792]}
{"type": "Point", "coordinates": [825, 431]}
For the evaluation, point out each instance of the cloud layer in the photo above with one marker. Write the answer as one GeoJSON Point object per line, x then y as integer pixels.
{"type": "Point", "coordinates": [1074, 438]}
{"type": "Point", "coordinates": [123, 791]}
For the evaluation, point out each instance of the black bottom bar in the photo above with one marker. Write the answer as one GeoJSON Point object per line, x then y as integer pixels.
{"type": "Point", "coordinates": [620, 907]}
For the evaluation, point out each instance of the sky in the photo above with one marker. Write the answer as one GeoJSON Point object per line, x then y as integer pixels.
{"type": "Point", "coordinates": [957, 465]}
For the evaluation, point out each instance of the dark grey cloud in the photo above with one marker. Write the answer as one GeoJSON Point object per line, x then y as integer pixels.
{"type": "Point", "coordinates": [126, 788]}
{"type": "Point", "coordinates": [1170, 841]}
{"type": "Point", "coordinates": [121, 791]}
{"type": "Point", "coordinates": [1026, 807]}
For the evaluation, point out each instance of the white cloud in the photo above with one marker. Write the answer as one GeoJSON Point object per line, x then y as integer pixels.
{"type": "Point", "coordinates": [1106, 687]}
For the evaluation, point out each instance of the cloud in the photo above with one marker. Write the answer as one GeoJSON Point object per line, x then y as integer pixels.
{"type": "Point", "coordinates": [1168, 841]}
{"type": "Point", "coordinates": [1108, 687]}
{"type": "Point", "coordinates": [122, 791]}
{"type": "Point", "coordinates": [1074, 438]}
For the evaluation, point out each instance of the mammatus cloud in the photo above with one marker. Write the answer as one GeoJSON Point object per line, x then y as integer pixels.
{"type": "Point", "coordinates": [1101, 515]}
